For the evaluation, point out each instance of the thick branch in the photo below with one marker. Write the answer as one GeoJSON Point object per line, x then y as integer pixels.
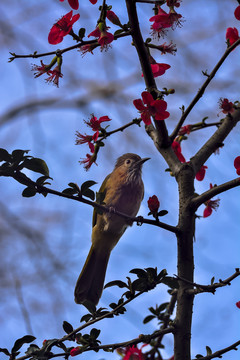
{"type": "Point", "coordinates": [145, 64]}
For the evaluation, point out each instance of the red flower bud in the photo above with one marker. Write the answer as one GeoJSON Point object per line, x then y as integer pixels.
{"type": "Point", "coordinates": [153, 204]}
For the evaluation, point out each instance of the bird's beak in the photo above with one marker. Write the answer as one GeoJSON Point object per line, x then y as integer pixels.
{"type": "Point", "coordinates": [141, 161]}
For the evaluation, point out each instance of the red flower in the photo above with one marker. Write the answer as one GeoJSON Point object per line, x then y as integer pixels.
{"type": "Point", "coordinates": [170, 48]}
{"type": "Point", "coordinates": [148, 107]}
{"type": "Point", "coordinates": [159, 69]}
{"type": "Point", "coordinates": [201, 173]}
{"type": "Point", "coordinates": [226, 106]}
{"type": "Point", "coordinates": [73, 3]}
{"type": "Point", "coordinates": [162, 21]}
{"type": "Point", "coordinates": [55, 74]}
{"type": "Point", "coordinates": [87, 48]}
{"type": "Point", "coordinates": [62, 28]}
{"type": "Point", "coordinates": [185, 130]}
{"type": "Point", "coordinates": [237, 164]}
{"type": "Point", "coordinates": [238, 304]}
{"type": "Point", "coordinates": [43, 69]}
{"type": "Point", "coordinates": [104, 37]}
{"type": "Point", "coordinates": [75, 351]}
{"type": "Point", "coordinates": [95, 124]}
{"type": "Point", "coordinates": [131, 353]}
{"type": "Point", "coordinates": [153, 204]}
{"type": "Point", "coordinates": [88, 161]}
{"type": "Point", "coordinates": [237, 12]}
{"type": "Point", "coordinates": [83, 139]}
{"type": "Point", "coordinates": [111, 16]}
{"type": "Point", "coordinates": [178, 151]}
{"type": "Point", "coordinates": [210, 206]}
{"type": "Point", "coordinates": [232, 35]}
{"type": "Point", "coordinates": [93, 1]}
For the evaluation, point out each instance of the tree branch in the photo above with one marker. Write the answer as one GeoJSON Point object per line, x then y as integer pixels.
{"type": "Point", "coordinates": [43, 189]}
{"type": "Point", "coordinates": [201, 199]}
{"type": "Point", "coordinates": [212, 288]}
{"type": "Point", "coordinates": [202, 89]}
{"type": "Point", "coordinates": [219, 353]}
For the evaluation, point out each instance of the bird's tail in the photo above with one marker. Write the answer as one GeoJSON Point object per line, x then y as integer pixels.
{"type": "Point", "coordinates": [89, 285]}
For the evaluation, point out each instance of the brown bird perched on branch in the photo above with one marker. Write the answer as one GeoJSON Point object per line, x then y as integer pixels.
{"type": "Point", "coordinates": [124, 191]}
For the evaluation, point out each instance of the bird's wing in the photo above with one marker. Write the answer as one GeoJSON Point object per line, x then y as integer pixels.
{"type": "Point", "coordinates": [102, 191]}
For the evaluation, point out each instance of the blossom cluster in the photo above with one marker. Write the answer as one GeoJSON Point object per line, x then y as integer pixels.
{"type": "Point", "coordinates": [95, 125]}
{"type": "Point", "coordinates": [232, 34]}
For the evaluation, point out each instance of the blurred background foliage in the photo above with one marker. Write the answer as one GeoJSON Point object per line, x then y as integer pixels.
{"type": "Point", "coordinates": [44, 241]}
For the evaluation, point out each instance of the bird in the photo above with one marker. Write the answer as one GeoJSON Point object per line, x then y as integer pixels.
{"type": "Point", "coordinates": [123, 191]}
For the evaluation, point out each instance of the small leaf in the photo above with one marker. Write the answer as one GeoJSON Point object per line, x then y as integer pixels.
{"type": "Point", "coordinates": [199, 356]}
{"type": "Point", "coordinates": [118, 32]}
{"type": "Point", "coordinates": [162, 213]}
{"type": "Point", "coordinates": [86, 317]}
{"type": "Point", "coordinates": [86, 185]}
{"type": "Point", "coordinates": [90, 194]}
{"type": "Point", "coordinates": [209, 351]}
{"type": "Point", "coordinates": [37, 165]}
{"type": "Point", "coordinates": [139, 272]}
{"type": "Point", "coordinates": [70, 191]}
{"type": "Point", "coordinates": [23, 340]}
{"type": "Point", "coordinates": [18, 155]}
{"type": "Point", "coordinates": [67, 327]}
{"type": "Point", "coordinates": [118, 283]}
{"type": "Point", "coordinates": [171, 282]}
{"type": "Point", "coordinates": [32, 349]}
{"type": "Point", "coordinates": [148, 318]}
{"type": "Point", "coordinates": [95, 333]}
{"type": "Point", "coordinates": [29, 192]}
{"type": "Point", "coordinates": [212, 280]}
{"type": "Point", "coordinates": [4, 155]}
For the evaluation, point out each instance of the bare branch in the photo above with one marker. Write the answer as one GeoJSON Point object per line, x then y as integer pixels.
{"type": "Point", "coordinates": [219, 353]}
{"type": "Point", "coordinates": [201, 199]}
{"type": "Point", "coordinates": [202, 89]}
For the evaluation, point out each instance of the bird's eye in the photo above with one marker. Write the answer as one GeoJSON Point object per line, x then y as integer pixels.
{"type": "Point", "coordinates": [128, 161]}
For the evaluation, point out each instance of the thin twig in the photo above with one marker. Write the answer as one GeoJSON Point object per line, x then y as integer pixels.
{"type": "Point", "coordinates": [202, 89]}
{"type": "Point", "coordinates": [219, 353]}
{"type": "Point", "coordinates": [201, 199]}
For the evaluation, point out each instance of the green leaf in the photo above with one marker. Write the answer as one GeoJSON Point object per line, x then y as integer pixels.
{"type": "Point", "coordinates": [42, 180]}
{"type": "Point", "coordinates": [70, 191]}
{"type": "Point", "coordinates": [4, 155]}
{"type": "Point", "coordinates": [162, 213]}
{"type": "Point", "coordinates": [209, 351]}
{"type": "Point", "coordinates": [95, 333]}
{"type": "Point", "coordinates": [29, 192]}
{"type": "Point", "coordinates": [199, 356]}
{"type": "Point", "coordinates": [18, 155]}
{"type": "Point", "coordinates": [139, 272]}
{"type": "Point", "coordinates": [23, 340]}
{"type": "Point", "coordinates": [118, 283]}
{"type": "Point", "coordinates": [118, 32]}
{"type": "Point", "coordinates": [212, 280]}
{"type": "Point", "coordinates": [148, 318]}
{"type": "Point", "coordinates": [5, 351]}
{"type": "Point", "coordinates": [86, 185]}
{"type": "Point", "coordinates": [86, 317]}
{"type": "Point", "coordinates": [139, 284]}
{"type": "Point", "coordinates": [67, 327]}
{"type": "Point", "coordinates": [171, 282]}
{"type": "Point", "coordinates": [163, 306]}
{"type": "Point", "coordinates": [90, 306]}
{"type": "Point", "coordinates": [37, 165]}
{"type": "Point", "coordinates": [32, 349]}
{"type": "Point", "coordinates": [90, 194]}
